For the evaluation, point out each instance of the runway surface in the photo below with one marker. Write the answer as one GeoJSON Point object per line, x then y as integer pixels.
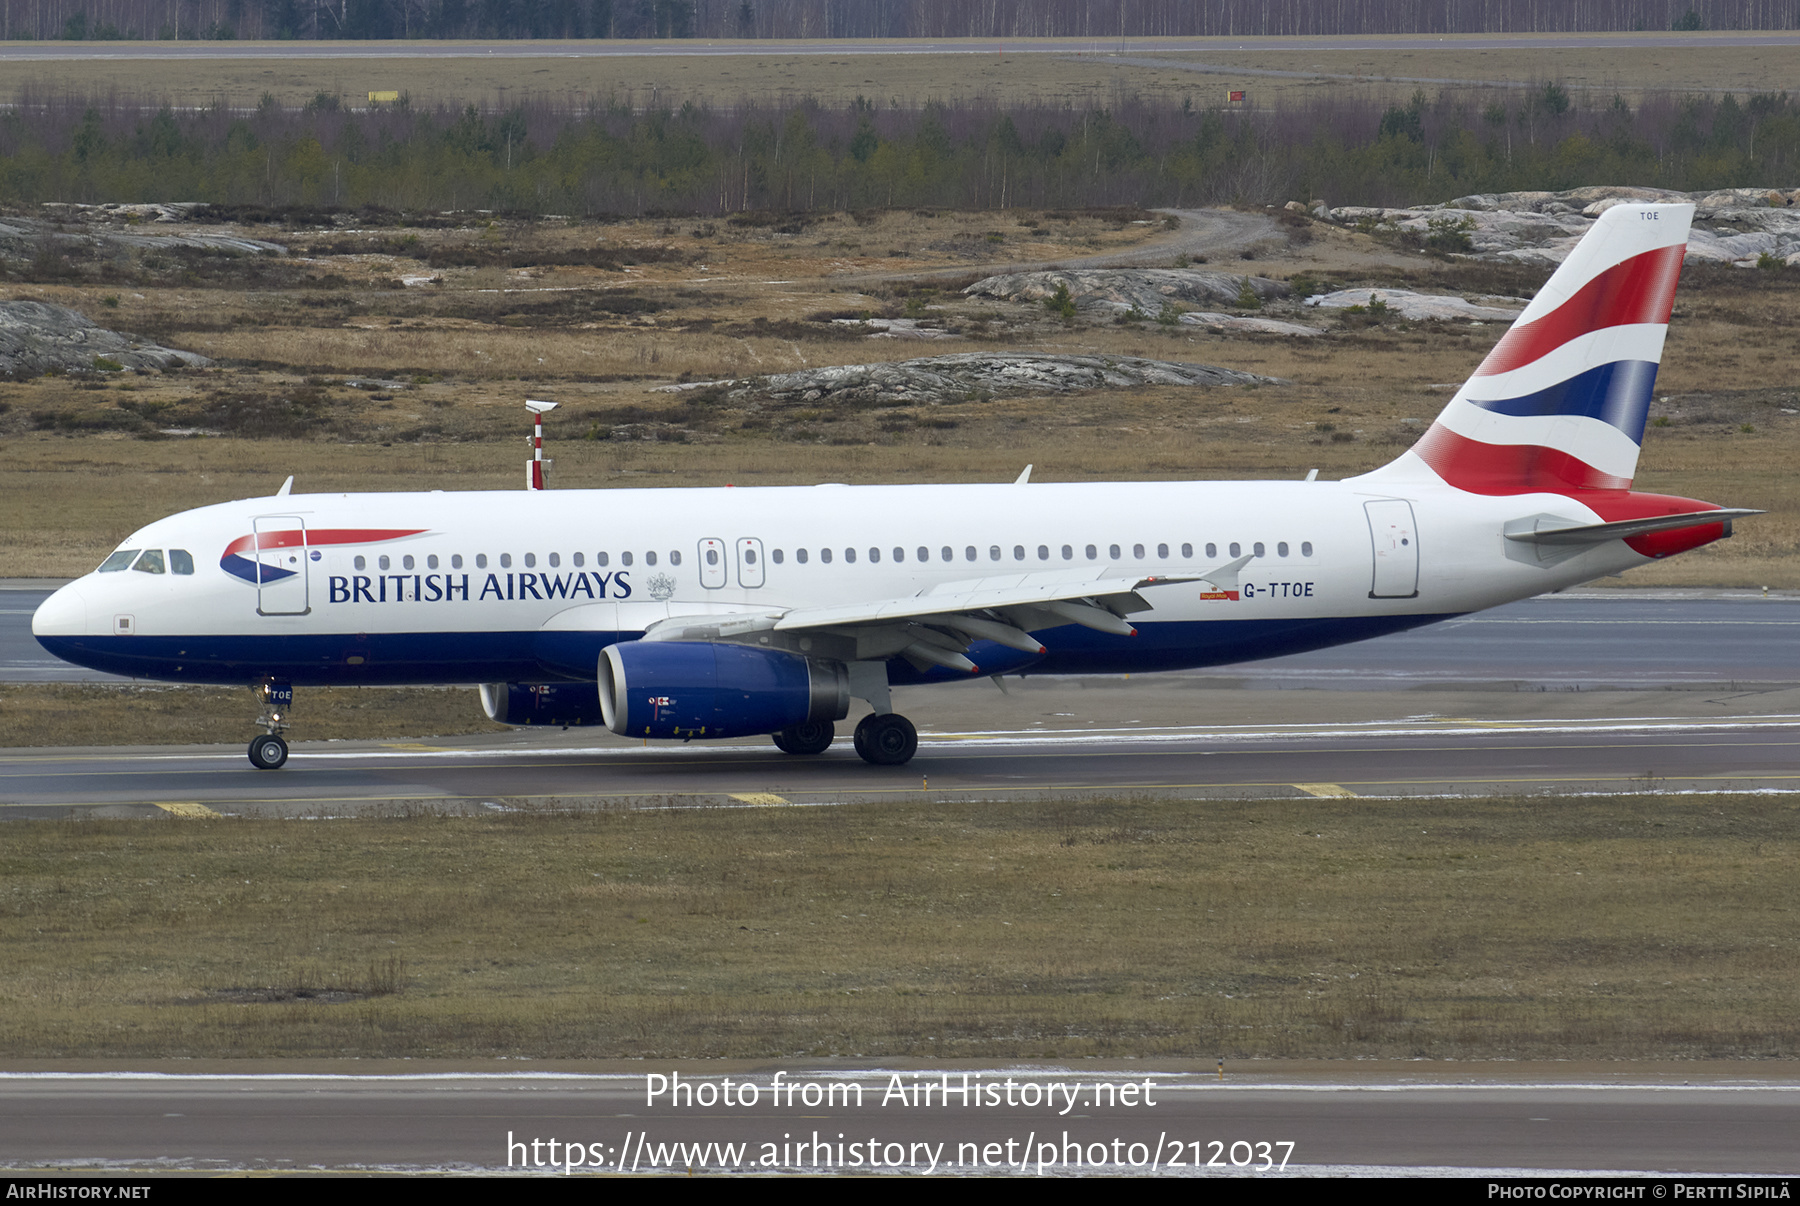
{"type": "Point", "coordinates": [1428, 756]}
{"type": "Point", "coordinates": [1129, 1119]}
{"type": "Point", "coordinates": [1600, 692]}
{"type": "Point", "coordinates": [696, 48]}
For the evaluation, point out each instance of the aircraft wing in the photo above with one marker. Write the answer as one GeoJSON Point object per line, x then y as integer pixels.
{"type": "Point", "coordinates": [936, 627]}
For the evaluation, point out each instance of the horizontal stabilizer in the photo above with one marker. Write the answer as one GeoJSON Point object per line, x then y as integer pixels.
{"type": "Point", "coordinates": [1553, 530]}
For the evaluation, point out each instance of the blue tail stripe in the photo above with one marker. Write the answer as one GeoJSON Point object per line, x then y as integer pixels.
{"type": "Point", "coordinates": [1616, 393]}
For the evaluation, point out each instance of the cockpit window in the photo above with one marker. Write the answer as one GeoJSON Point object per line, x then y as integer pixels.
{"type": "Point", "coordinates": [181, 561]}
{"type": "Point", "coordinates": [118, 561]}
{"type": "Point", "coordinates": [150, 563]}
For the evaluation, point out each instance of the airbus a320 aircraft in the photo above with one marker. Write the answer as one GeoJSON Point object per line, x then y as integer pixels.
{"type": "Point", "coordinates": [715, 613]}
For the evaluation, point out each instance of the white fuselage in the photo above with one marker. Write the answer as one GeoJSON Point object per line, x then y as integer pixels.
{"type": "Point", "coordinates": [527, 586]}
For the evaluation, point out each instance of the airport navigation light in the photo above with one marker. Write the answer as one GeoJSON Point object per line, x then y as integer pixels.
{"type": "Point", "coordinates": [534, 468]}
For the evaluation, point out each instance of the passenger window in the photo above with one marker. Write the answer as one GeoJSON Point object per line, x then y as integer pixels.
{"type": "Point", "coordinates": [1187, 550]}
{"type": "Point", "coordinates": [874, 556]}
{"type": "Point", "coordinates": [181, 561]}
{"type": "Point", "coordinates": [969, 553]}
{"type": "Point", "coordinates": [1237, 550]}
{"type": "Point", "coordinates": [122, 560]}
{"type": "Point", "coordinates": [850, 556]}
{"type": "Point", "coordinates": [406, 562]}
{"type": "Point", "coordinates": [360, 563]}
{"type": "Point", "coordinates": [1043, 552]}
{"type": "Point", "coordinates": [505, 561]}
{"type": "Point", "coordinates": [530, 560]}
{"type": "Point", "coordinates": [712, 556]}
{"type": "Point", "coordinates": [555, 560]}
{"type": "Point", "coordinates": [480, 561]}
{"type": "Point", "coordinates": [925, 554]}
{"type": "Point", "coordinates": [1018, 552]}
{"type": "Point", "coordinates": [383, 562]}
{"type": "Point", "coordinates": [1093, 554]}
{"type": "Point", "coordinates": [624, 558]}
{"type": "Point", "coordinates": [1137, 550]}
{"type": "Point", "coordinates": [1068, 553]}
{"type": "Point", "coordinates": [1281, 549]}
{"type": "Point", "coordinates": [1306, 548]}
{"type": "Point", "coordinates": [675, 557]}
{"type": "Point", "coordinates": [825, 556]}
{"type": "Point", "coordinates": [650, 558]}
{"type": "Point", "coordinates": [1112, 551]}
{"type": "Point", "coordinates": [455, 560]}
{"type": "Point", "coordinates": [1162, 550]}
{"type": "Point", "coordinates": [993, 552]}
{"type": "Point", "coordinates": [749, 557]}
{"type": "Point", "coordinates": [900, 554]}
{"type": "Point", "coordinates": [1257, 548]}
{"type": "Point", "coordinates": [577, 559]}
{"type": "Point", "coordinates": [776, 553]}
{"type": "Point", "coordinates": [800, 556]}
{"type": "Point", "coordinates": [431, 561]}
{"type": "Point", "coordinates": [948, 554]}
{"type": "Point", "coordinates": [1212, 550]}
{"type": "Point", "coordinates": [602, 560]}
{"type": "Point", "coordinates": [150, 563]}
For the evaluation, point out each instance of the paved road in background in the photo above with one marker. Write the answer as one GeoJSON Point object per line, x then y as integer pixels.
{"type": "Point", "coordinates": [19, 52]}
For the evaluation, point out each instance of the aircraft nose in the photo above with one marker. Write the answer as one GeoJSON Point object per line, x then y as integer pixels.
{"type": "Point", "coordinates": [62, 614]}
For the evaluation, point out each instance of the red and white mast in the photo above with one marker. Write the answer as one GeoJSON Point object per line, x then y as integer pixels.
{"type": "Point", "coordinates": [534, 468]}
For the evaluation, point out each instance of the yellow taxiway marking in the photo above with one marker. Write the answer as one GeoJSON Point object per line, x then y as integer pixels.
{"type": "Point", "coordinates": [416, 747]}
{"type": "Point", "coordinates": [1327, 789]}
{"type": "Point", "coordinates": [762, 798]}
{"type": "Point", "coordinates": [186, 808]}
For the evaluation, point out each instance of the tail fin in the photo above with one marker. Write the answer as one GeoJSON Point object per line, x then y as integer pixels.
{"type": "Point", "coordinates": [1560, 403]}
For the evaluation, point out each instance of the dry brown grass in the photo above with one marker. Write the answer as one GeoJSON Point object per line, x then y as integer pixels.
{"type": "Point", "coordinates": [1641, 927]}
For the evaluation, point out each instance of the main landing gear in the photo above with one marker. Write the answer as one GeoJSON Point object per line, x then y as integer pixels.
{"type": "Point", "coordinates": [813, 737]}
{"type": "Point", "coordinates": [270, 751]}
{"type": "Point", "coordinates": [886, 739]}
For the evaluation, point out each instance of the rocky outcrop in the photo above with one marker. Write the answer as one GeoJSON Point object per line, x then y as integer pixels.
{"type": "Point", "coordinates": [1404, 303]}
{"type": "Point", "coordinates": [968, 377]}
{"type": "Point", "coordinates": [36, 338]}
{"type": "Point", "coordinates": [1736, 225]}
{"type": "Point", "coordinates": [1121, 290]}
{"type": "Point", "coordinates": [1228, 323]}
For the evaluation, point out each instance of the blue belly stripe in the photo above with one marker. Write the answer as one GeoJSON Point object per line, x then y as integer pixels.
{"type": "Point", "coordinates": [438, 658]}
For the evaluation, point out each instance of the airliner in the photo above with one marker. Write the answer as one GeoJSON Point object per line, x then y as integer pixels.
{"type": "Point", "coordinates": [700, 614]}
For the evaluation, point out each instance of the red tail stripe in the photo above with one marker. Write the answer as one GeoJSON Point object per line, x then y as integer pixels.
{"type": "Point", "coordinates": [1529, 469]}
{"type": "Point", "coordinates": [1638, 290]}
{"type": "Point", "coordinates": [1509, 468]}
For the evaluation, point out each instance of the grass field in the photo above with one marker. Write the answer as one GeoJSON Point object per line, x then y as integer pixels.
{"type": "Point", "coordinates": [1637, 927]}
{"type": "Point", "coordinates": [1083, 75]}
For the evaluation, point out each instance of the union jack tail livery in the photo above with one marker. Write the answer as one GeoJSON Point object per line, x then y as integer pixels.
{"type": "Point", "coordinates": [1559, 405]}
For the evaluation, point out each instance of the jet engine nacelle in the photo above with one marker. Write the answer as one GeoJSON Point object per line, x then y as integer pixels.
{"type": "Point", "coordinates": [528, 704]}
{"type": "Point", "coordinates": [688, 689]}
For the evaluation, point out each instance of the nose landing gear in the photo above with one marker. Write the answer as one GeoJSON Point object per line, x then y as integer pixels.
{"type": "Point", "coordinates": [270, 751]}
